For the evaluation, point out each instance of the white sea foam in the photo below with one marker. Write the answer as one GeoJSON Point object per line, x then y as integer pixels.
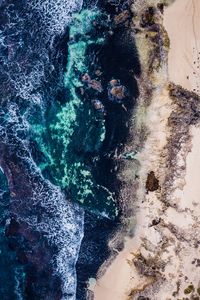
{"type": "Point", "coordinates": [54, 16]}
{"type": "Point", "coordinates": [62, 223]}
{"type": "Point", "coordinates": [56, 13]}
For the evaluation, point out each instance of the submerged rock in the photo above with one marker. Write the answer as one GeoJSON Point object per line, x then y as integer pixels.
{"type": "Point", "coordinates": [114, 82]}
{"type": "Point", "coordinates": [86, 78]}
{"type": "Point", "coordinates": [98, 72]}
{"type": "Point", "coordinates": [96, 85]}
{"type": "Point", "coordinates": [122, 17]}
{"type": "Point", "coordinates": [92, 83]}
{"type": "Point", "coordinates": [98, 105]}
{"type": "Point", "coordinates": [116, 91]}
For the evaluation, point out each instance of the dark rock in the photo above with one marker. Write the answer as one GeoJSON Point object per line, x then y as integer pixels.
{"type": "Point", "coordinates": [152, 183]}
{"type": "Point", "coordinates": [122, 17]}
{"type": "Point", "coordinates": [98, 105]}
{"type": "Point", "coordinates": [148, 17]}
{"type": "Point", "coordinates": [116, 92]}
{"type": "Point", "coordinates": [96, 85]}
{"type": "Point", "coordinates": [86, 78]}
{"type": "Point", "coordinates": [98, 72]}
{"type": "Point", "coordinates": [155, 222]}
{"type": "Point", "coordinates": [145, 267]}
{"type": "Point", "coordinates": [161, 7]}
{"type": "Point", "coordinates": [114, 82]}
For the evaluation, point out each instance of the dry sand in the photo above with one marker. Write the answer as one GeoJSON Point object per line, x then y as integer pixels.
{"type": "Point", "coordinates": [172, 246]}
{"type": "Point", "coordinates": [181, 21]}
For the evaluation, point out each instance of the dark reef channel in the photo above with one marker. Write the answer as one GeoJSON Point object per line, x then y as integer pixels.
{"type": "Point", "coordinates": [116, 59]}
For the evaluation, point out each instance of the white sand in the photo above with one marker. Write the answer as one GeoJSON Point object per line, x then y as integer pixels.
{"type": "Point", "coordinates": [181, 21]}
{"type": "Point", "coordinates": [116, 283]}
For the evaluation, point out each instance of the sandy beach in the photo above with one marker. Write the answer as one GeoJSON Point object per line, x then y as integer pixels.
{"type": "Point", "coordinates": [181, 20]}
{"type": "Point", "coordinates": [161, 260]}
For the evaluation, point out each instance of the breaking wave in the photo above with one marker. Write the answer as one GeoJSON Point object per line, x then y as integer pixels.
{"type": "Point", "coordinates": [56, 14]}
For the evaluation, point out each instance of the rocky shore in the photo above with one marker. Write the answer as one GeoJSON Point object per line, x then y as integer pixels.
{"type": "Point", "coordinates": [159, 171]}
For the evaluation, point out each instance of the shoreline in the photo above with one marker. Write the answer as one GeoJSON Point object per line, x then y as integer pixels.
{"type": "Point", "coordinates": [155, 261]}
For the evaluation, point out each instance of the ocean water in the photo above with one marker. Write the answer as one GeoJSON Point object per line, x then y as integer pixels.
{"type": "Point", "coordinates": [9, 268]}
{"type": "Point", "coordinates": [73, 132]}
{"type": "Point", "coordinates": [41, 229]}
{"type": "Point", "coordinates": [56, 146]}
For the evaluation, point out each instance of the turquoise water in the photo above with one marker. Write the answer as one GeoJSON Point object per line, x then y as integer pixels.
{"type": "Point", "coordinates": [71, 137]}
